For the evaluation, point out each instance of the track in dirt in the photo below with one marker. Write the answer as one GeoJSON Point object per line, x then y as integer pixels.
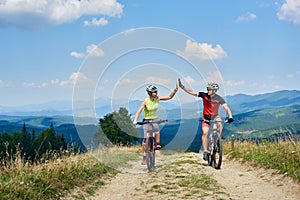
{"type": "Point", "coordinates": [186, 176]}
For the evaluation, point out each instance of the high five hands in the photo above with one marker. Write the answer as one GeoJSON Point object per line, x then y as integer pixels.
{"type": "Point", "coordinates": [180, 84]}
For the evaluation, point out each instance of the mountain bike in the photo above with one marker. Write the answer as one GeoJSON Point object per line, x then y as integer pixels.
{"type": "Point", "coordinates": [214, 144]}
{"type": "Point", "coordinates": [151, 144]}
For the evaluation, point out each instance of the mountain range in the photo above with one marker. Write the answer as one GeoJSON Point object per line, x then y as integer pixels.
{"type": "Point", "coordinates": [252, 113]}
{"type": "Point", "coordinates": [239, 103]}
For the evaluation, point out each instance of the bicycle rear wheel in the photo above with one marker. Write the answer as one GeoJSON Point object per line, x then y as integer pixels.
{"type": "Point", "coordinates": [216, 156]}
{"type": "Point", "coordinates": [150, 153]}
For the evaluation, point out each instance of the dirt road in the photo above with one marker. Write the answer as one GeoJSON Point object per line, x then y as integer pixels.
{"type": "Point", "coordinates": [186, 176]}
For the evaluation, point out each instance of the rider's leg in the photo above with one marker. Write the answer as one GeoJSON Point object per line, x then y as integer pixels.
{"type": "Point", "coordinates": [220, 126]}
{"type": "Point", "coordinates": [204, 137]}
{"type": "Point", "coordinates": [144, 148]}
{"type": "Point", "coordinates": [146, 128]}
{"type": "Point", "coordinates": [144, 152]}
{"type": "Point", "coordinates": [157, 137]}
{"type": "Point", "coordinates": [205, 142]}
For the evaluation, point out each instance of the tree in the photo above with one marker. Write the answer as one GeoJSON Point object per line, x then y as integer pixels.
{"type": "Point", "coordinates": [26, 143]}
{"type": "Point", "coordinates": [118, 128]}
{"type": "Point", "coordinates": [5, 145]}
{"type": "Point", "coordinates": [47, 141]}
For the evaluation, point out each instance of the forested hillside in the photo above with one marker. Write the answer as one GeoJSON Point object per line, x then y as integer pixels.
{"type": "Point", "coordinates": [276, 113]}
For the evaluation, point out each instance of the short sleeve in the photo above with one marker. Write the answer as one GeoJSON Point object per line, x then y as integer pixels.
{"type": "Point", "coordinates": [201, 94]}
{"type": "Point", "coordinates": [221, 100]}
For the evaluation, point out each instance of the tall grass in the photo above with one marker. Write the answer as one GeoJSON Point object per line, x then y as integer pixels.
{"type": "Point", "coordinates": [55, 178]}
{"type": "Point", "coordinates": [283, 156]}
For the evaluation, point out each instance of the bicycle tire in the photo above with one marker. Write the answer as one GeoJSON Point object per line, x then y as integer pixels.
{"type": "Point", "coordinates": [216, 156]}
{"type": "Point", "coordinates": [210, 160]}
{"type": "Point", "coordinates": [209, 157]}
{"type": "Point", "coordinates": [150, 153]}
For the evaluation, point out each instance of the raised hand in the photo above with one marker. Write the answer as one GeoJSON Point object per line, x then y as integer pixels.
{"type": "Point", "coordinates": [180, 84]}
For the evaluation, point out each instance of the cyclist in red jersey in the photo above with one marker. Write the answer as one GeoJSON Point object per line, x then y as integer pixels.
{"type": "Point", "coordinates": [211, 104]}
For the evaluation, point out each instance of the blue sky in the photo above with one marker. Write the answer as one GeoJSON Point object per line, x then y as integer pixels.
{"type": "Point", "coordinates": [45, 44]}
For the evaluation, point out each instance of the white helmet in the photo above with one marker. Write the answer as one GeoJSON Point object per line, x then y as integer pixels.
{"type": "Point", "coordinates": [212, 86]}
{"type": "Point", "coordinates": [151, 88]}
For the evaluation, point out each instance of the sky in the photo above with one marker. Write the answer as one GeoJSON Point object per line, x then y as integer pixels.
{"type": "Point", "coordinates": [47, 47]}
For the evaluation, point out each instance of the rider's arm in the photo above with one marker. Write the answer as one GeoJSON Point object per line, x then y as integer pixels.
{"type": "Point", "coordinates": [137, 114]}
{"type": "Point", "coordinates": [171, 95]}
{"type": "Point", "coordinates": [227, 109]}
{"type": "Point", "coordinates": [187, 90]}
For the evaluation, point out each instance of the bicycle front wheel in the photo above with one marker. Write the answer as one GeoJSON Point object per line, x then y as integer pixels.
{"type": "Point", "coordinates": [217, 152]}
{"type": "Point", "coordinates": [150, 153]}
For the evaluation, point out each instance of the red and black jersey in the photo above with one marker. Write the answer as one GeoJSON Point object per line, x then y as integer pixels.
{"type": "Point", "coordinates": [211, 104]}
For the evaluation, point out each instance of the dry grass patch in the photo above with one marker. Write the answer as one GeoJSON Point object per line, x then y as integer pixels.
{"type": "Point", "coordinates": [182, 179]}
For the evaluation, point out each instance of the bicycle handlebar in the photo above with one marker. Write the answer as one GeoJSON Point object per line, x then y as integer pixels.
{"type": "Point", "coordinates": [153, 122]}
{"type": "Point", "coordinates": [212, 120]}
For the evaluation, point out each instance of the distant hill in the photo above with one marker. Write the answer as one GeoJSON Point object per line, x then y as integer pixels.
{"type": "Point", "coordinates": [241, 103]}
{"type": "Point", "coordinates": [257, 115]}
{"type": "Point", "coordinates": [81, 135]}
{"type": "Point", "coordinates": [62, 124]}
{"type": "Point", "coordinates": [265, 119]}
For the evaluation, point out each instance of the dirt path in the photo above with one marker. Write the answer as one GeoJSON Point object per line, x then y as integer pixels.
{"type": "Point", "coordinates": [186, 176]}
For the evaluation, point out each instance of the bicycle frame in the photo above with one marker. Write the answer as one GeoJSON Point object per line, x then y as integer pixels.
{"type": "Point", "coordinates": [150, 144]}
{"type": "Point", "coordinates": [214, 144]}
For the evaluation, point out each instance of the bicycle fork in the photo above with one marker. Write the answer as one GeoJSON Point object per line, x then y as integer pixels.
{"type": "Point", "coordinates": [210, 143]}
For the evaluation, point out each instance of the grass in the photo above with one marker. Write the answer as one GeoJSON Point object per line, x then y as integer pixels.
{"type": "Point", "coordinates": [117, 156]}
{"type": "Point", "coordinates": [283, 156]}
{"type": "Point", "coordinates": [179, 180]}
{"type": "Point", "coordinates": [58, 177]}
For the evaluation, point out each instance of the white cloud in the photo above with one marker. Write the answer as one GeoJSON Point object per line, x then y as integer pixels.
{"type": "Point", "coordinates": [35, 85]}
{"type": "Point", "coordinates": [202, 51]}
{"type": "Point", "coordinates": [189, 80]}
{"type": "Point", "coordinates": [208, 77]}
{"type": "Point", "coordinates": [294, 74]}
{"type": "Point", "coordinates": [54, 82]}
{"type": "Point", "coordinates": [213, 76]}
{"type": "Point", "coordinates": [129, 31]}
{"type": "Point", "coordinates": [77, 76]}
{"type": "Point", "coordinates": [5, 84]}
{"type": "Point", "coordinates": [290, 11]}
{"type": "Point", "coordinates": [100, 22]}
{"type": "Point", "coordinates": [37, 13]}
{"type": "Point", "coordinates": [246, 18]}
{"type": "Point", "coordinates": [76, 54]}
{"type": "Point", "coordinates": [291, 75]}
{"type": "Point", "coordinates": [91, 50]}
{"type": "Point", "coordinates": [57, 82]}
{"type": "Point", "coordinates": [94, 50]}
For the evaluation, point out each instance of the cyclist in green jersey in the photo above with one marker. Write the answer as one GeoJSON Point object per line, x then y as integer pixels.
{"type": "Point", "coordinates": [150, 107]}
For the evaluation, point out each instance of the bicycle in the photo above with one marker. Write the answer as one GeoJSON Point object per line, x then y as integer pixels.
{"type": "Point", "coordinates": [214, 144]}
{"type": "Point", "coordinates": [151, 144]}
